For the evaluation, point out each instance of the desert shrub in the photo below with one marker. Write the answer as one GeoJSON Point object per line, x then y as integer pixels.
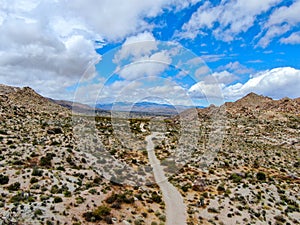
{"type": "Point", "coordinates": [79, 200]}
{"type": "Point", "coordinates": [99, 213]}
{"type": "Point", "coordinates": [102, 211]}
{"type": "Point", "coordinates": [67, 194]}
{"type": "Point", "coordinates": [38, 212]}
{"type": "Point", "coordinates": [4, 179]}
{"type": "Point", "coordinates": [45, 162]}
{"type": "Point", "coordinates": [186, 187]}
{"type": "Point", "coordinates": [54, 189]}
{"type": "Point", "coordinates": [17, 198]}
{"type": "Point", "coordinates": [48, 222]}
{"type": "Point", "coordinates": [280, 218]}
{"type": "Point", "coordinates": [14, 187]}
{"type": "Point", "coordinates": [156, 198]}
{"type": "Point", "coordinates": [118, 199]}
{"type": "Point", "coordinates": [212, 210]}
{"type": "Point", "coordinates": [44, 197]}
{"type": "Point", "coordinates": [57, 199]}
{"type": "Point", "coordinates": [37, 172]}
{"type": "Point", "coordinates": [261, 176]}
{"type": "Point", "coordinates": [61, 168]}
{"type": "Point", "coordinates": [33, 180]}
{"type": "Point", "coordinates": [138, 222]}
{"type": "Point", "coordinates": [236, 178]}
{"type": "Point", "coordinates": [93, 191]}
{"type": "Point", "coordinates": [221, 188]}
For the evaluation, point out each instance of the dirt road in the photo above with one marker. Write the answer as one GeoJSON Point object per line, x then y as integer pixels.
{"type": "Point", "coordinates": [175, 208]}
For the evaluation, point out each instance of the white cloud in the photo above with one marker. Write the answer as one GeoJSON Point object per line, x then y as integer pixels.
{"type": "Point", "coordinates": [229, 18]}
{"type": "Point", "coordinates": [202, 72]}
{"type": "Point", "coordinates": [211, 86]}
{"type": "Point", "coordinates": [294, 38]}
{"type": "Point", "coordinates": [136, 46]}
{"type": "Point", "coordinates": [204, 90]}
{"type": "Point", "coordinates": [223, 78]}
{"type": "Point", "coordinates": [48, 45]}
{"type": "Point", "coordinates": [31, 55]}
{"type": "Point", "coordinates": [144, 88]}
{"type": "Point", "coordinates": [146, 66]}
{"type": "Point", "coordinates": [286, 14]}
{"type": "Point", "coordinates": [213, 57]}
{"type": "Point", "coordinates": [276, 83]}
{"type": "Point", "coordinates": [116, 19]}
{"type": "Point", "coordinates": [272, 32]}
{"type": "Point", "coordinates": [280, 22]}
{"type": "Point", "coordinates": [235, 67]}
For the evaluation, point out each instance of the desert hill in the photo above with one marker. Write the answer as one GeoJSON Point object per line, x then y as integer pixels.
{"type": "Point", "coordinates": [51, 174]}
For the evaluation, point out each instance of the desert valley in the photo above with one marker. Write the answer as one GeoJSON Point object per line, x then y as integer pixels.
{"type": "Point", "coordinates": [59, 166]}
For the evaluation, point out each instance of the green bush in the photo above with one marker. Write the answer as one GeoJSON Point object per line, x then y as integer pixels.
{"type": "Point", "coordinates": [14, 187]}
{"type": "Point", "coordinates": [99, 213]}
{"type": "Point", "coordinates": [68, 194]}
{"type": "Point", "coordinates": [4, 179]}
{"type": "Point", "coordinates": [57, 199]}
{"type": "Point", "coordinates": [221, 188]}
{"type": "Point", "coordinates": [156, 198]}
{"type": "Point", "coordinates": [33, 180]}
{"type": "Point", "coordinates": [261, 176]}
{"type": "Point", "coordinates": [236, 178]}
{"type": "Point", "coordinates": [38, 212]}
{"type": "Point", "coordinates": [37, 172]}
{"type": "Point", "coordinates": [46, 160]}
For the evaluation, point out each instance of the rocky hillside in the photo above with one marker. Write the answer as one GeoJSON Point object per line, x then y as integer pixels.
{"type": "Point", "coordinates": [253, 175]}
{"type": "Point", "coordinates": [14, 98]}
{"type": "Point", "coordinates": [49, 174]}
{"type": "Point", "coordinates": [258, 103]}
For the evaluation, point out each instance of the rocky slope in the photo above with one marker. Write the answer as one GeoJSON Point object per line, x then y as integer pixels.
{"type": "Point", "coordinates": [254, 176]}
{"type": "Point", "coordinates": [51, 173]}
{"type": "Point", "coordinates": [47, 176]}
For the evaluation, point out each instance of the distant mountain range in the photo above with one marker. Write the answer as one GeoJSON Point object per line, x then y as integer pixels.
{"type": "Point", "coordinates": [145, 107]}
{"type": "Point", "coordinates": [246, 105]}
{"type": "Point", "coordinates": [139, 107]}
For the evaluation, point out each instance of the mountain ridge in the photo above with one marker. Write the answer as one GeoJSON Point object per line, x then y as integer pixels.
{"type": "Point", "coordinates": [26, 96]}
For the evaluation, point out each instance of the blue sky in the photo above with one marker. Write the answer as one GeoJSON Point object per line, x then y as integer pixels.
{"type": "Point", "coordinates": [183, 52]}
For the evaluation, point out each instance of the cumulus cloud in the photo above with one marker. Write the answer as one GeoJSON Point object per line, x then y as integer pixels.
{"type": "Point", "coordinates": [280, 22]}
{"type": "Point", "coordinates": [229, 18]}
{"type": "Point", "coordinates": [136, 46]}
{"type": "Point", "coordinates": [204, 90]}
{"type": "Point", "coordinates": [146, 66]}
{"type": "Point", "coordinates": [31, 55]}
{"type": "Point", "coordinates": [143, 56]}
{"type": "Point", "coordinates": [286, 14]}
{"type": "Point", "coordinates": [271, 33]}
{"type": "Point", "coordinates": [236, 68]}
{"type": "Point", "coordinates": [145, 88]}
{"type": "Point", "coordinates": [276, 83]}
{"type": "Point", "coordinates": [116, 19]}
{"type": "Point", "coordinates": [294, 38]}
{"type": "Point", "coordinates": [212, 85]}
{"type": "Point", "coordinates": [201, 72]}
{"type": "Point", "coordinates": [223, 78]}
{"type": "Point", "coordinates": [49, 45]}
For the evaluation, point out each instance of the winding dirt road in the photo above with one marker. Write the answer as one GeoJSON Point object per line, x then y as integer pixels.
{"type": "Point", "coordinates": [175, 208]}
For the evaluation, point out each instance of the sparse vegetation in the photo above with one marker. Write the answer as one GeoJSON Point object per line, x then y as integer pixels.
{"type": "Point", "coordinates": [252, 179]}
